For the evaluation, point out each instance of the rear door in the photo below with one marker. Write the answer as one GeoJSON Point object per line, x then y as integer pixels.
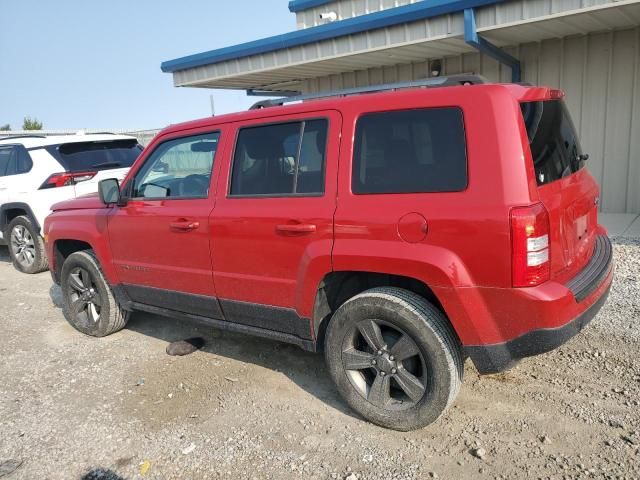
{"type": "Point", "coordinates": [273, 223]}
{"type": "Point", "coordinates": [160, 239]}
{"type": "Point", "coordinates": [568, 191]}
{"type": "Point", "coordinates": [6, 158]}
{"type": "Point", "coordinates": [15, 164]}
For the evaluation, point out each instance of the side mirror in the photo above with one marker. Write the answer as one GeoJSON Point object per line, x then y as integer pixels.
{"type": "Point", "coordinates": [109, 191]}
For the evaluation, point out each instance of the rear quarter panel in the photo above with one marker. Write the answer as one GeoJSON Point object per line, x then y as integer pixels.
{"type": "Point", "coordinates": [468, 240]}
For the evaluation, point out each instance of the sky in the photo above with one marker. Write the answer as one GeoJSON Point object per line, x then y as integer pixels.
{"type": "Point", "coordinates": [94, 64]}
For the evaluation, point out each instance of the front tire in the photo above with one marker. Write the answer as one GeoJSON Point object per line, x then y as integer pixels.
{"type": "Point", "coordinates": [88, 303]}
{"type": "Point", "coordinates": [26, 246]}
{"type": "Point", "coordinates": [394, 358]}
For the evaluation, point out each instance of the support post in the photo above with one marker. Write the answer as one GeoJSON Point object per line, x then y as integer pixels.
{"type": "Point", "coordinates": [472, 38]}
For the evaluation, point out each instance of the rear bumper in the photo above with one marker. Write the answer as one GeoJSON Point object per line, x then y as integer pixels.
{"type": "Point", "coordinates": [587, 293]}
{"type": "Point", "coordinates": [502, 356]}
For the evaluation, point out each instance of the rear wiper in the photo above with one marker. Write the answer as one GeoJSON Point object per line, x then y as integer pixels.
{"type": "Point", "coordinates": [106, 164]}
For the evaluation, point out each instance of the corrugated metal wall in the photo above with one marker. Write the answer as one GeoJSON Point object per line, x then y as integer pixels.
{"type": "Point", "coordinates": [346, 9]}
{"type": "Point", "coordinates": [496, 13]}
{"type": "Point", "coordinates": [601, 76]}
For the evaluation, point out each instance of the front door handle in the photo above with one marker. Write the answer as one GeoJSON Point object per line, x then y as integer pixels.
{"type": "Point", "coordinates": [184, 226]}
{"type": "Point", "coordinates": [296, 228]}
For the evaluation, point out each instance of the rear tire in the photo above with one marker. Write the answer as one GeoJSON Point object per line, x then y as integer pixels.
{"type": "Point", "coordinates": [88, 302]}
{"type": "Point", "coordinates": [394, 358]}
{"type": "Point", "coordinates": [26, 246]}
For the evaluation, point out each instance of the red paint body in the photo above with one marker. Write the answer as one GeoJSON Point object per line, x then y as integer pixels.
{"type": "Point", "coordinates": [276, 251]}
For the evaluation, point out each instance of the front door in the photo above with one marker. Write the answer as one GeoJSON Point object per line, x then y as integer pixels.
{"type": "Point", "coordinates": [273, 224]}
{"type": "Point", "coordinates": [160, 238]}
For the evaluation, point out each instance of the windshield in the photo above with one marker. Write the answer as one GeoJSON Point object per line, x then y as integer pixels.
{"type": "Point", "coordinates": [555, 148]}
{"type": "Point", "coordinates": [82, 156]}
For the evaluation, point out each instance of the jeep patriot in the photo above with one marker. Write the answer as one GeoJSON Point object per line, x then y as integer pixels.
{"type": "Point", "coordinates": [398, 231]}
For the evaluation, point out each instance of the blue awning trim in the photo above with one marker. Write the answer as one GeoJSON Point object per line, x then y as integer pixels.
{"type": "Point", "coordinates": [371, 21]}
{"type": "Point", "coordinates": [300, 5]}
{"type": "Point", "coordinates": [476, 41]}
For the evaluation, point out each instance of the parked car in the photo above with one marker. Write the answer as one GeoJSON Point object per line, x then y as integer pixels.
{"type": "Point", "coordinates": [399, 232]}
{"type": "Point", "coordinates": [37, 171]}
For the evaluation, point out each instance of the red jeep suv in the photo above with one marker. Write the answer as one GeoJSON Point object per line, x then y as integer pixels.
{"type": "Point", "coordinates": [399, 231]}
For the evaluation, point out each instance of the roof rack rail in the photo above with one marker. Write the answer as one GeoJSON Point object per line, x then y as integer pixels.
{"type": "Point", "coordinates": [452, 80]}
{"type": "Point", "coordinates": [11, 137]}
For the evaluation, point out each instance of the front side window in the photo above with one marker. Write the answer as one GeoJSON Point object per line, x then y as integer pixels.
{"type": "Point", "coordinates": [179, 168]}
{"type": "Point", "coordinates": [555, 148]}
{"type": "Point", "coordinates": [280, 159]}
{"type": "Point", "coordinates": [410, 151]}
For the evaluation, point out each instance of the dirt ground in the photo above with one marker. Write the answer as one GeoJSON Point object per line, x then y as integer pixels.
{"type": "Point", "coordinates": [74, 407]}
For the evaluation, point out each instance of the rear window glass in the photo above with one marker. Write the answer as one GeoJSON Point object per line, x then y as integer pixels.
{"type": "Point", "coordinates": [555, 148]}
{"type": "Point", "coordinates": [410, 151]}
{"type": "Point", "coordinates": [79, 156]}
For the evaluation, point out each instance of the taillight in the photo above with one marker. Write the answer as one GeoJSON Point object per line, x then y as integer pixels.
{"type": "Point", "coordinates": [530, 245]}
{"type": "Point", "coordinates": [67, 178]}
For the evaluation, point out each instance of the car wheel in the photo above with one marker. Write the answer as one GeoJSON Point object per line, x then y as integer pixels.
{"type": "Point", "coordinates": [394, 358]}
{"type": "Point", "coordinates": [26, 246]}
{"type": "Point", "coordinates": [88, 302]}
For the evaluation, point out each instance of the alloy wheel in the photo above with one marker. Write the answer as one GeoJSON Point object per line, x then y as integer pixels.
{"type": "Point", "coordinates": [384, 365]}
{"type": "Point", "coordinates": [85, 301]}
{"type": "Point", "coordinates": [23, 246]}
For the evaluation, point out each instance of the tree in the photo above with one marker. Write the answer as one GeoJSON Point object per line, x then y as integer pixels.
{"type": "Point", "coordinates": [29, 124]}
{"type": "Point", "coordinates": [5, 128]}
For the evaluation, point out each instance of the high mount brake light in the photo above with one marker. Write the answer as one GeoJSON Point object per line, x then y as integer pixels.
{"type": "Point", "coordinates": [67, 178]}
{"type": "Point", "coordinates": [530, 260]}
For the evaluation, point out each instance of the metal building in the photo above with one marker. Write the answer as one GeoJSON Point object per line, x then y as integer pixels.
{"type": "Point", "coordinates": [589, 48]}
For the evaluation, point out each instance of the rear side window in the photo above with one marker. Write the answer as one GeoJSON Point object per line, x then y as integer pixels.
{"type": "Point", "coordinates": [280, 159]}
{"type": "Point", "coordinates": [555, 148]}
{"type": "Point", "coordinates": [93, 156]}
{"type": "Point", "coordinates": [23, 160]}
{"type": "Point", "coordinates": [410, 151]}
{"type": "Point", "coordinates": [6, 156]}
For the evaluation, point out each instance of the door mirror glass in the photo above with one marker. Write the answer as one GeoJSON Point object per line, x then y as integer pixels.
{"type": "Point", "coordinates": [109, 190]}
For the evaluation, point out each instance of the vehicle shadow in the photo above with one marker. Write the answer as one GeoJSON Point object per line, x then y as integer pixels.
{"type": "Point", "coordinates": [306, 369]}
{"type": "Point", "coordinates": [4, 254]}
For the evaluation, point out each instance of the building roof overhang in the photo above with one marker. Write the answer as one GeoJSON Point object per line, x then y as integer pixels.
{"type": "Point", "coordinates": [402, 35]}
{"type": "Point", "coordinates": [301, 5]}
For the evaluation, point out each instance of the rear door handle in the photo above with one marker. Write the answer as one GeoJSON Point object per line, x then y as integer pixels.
{"type": "Point", "coordinates": [184, 226]}
{"type": "Point", "coordinates": [296, 228]}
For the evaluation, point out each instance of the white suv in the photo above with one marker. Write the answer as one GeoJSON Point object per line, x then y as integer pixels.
{"type": "Point", "coordinates": [38, 171]}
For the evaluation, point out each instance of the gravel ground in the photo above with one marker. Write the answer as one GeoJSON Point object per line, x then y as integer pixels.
{"type": "Point", "coordinates": [73, 407]}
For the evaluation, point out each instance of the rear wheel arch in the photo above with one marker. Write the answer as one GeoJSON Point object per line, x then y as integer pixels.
{"type": "Point", "coordinates": [337, 287]}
